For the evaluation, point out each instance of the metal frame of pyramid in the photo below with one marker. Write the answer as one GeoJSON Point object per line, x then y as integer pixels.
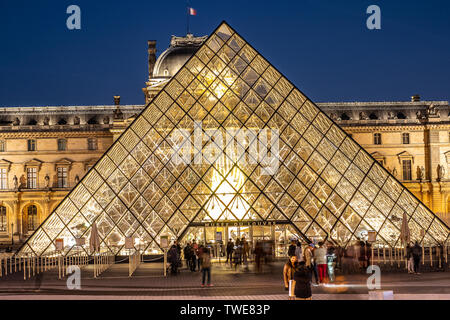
{"type": "Point", "coordinates": [326, 186]}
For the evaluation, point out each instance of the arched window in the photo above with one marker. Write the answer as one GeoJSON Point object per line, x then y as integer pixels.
{"type": "Point", "coordinates": [344, 116]}
{"type": "Point", "coordinates": [32, 122]}
{"type": "Point", "coordinates": [92, 121]}
{"type": "Point", "coordinates": [62, 122]}
{"type": "Point", "coordinates": [373, 116]}
{"type": "Point", "coordinates": [32, 218]}
{"type": "Point", "coordinates": [401, 115]}
{"type": "Point", "coordinates": [3, 219]}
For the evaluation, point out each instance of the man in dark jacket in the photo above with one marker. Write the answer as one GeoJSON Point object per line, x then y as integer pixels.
{"type": "Point", "coordinates": [172, 258]}
{"type": "Point", "coordinates": [230, 248]}
{"type": "Point", "coordinates": [292, 247]}
{"type": "Point", "coordinates": [302, 278]}
{"type": "Point", "coordinates": [416, 252]}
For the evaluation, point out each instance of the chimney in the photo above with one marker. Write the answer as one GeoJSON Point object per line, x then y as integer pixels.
{"type": "Point", "coordinates": [151, 57]}
{"type": "Point", "coordinates": [415, 98]}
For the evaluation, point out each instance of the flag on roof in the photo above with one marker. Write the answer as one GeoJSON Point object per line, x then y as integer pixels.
{"type": "Point", "coordinates": [192, 12]}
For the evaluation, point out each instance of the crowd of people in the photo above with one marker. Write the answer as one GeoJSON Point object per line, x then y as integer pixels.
{"type": "Point", "coordinates": [311, 265]}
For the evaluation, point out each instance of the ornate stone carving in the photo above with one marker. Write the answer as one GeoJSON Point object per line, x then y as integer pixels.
{"type": "Point", "coordinates": [363, 116]}
{"type": "Point", "coordinates": [394, 172]}
{"type": "Point", "coordinates": [433, 112]}
{"type": "Point", "coordinates": [76, 120]}
{"type": "Point", "coordinates": [46, 121]}
{"type": "Point", "coordinates": [391, 115]}
{"type": "Point", "coordinates": [47, 181]}
{"type": "Point", "coordinates": [16, 182]}
{"type": "Point", "coordinates": [440, 172]}
{"type": "Point", "coordinates": [106, 120]}
{"type": "Point", "coordinates": [16, 122]}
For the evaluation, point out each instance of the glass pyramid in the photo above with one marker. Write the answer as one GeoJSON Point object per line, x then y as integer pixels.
{"type": "Point", "coordinates": [325, 185]}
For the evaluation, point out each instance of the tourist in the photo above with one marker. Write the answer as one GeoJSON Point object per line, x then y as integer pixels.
{"type": "Point", "coordinates": [331, 261]}
{"type": "Point", "coordinates": [320, 258]}
{"type": "Point", "coordinates": [409, 257]}
{"type": "Point", "coordinates": [206, 267]}
{"type": "Point", "coordinates": [288, 271]}
{"type": "Point", "coordinates": [237, 254]}
{"type": "Point", "coordinates": [199, 253]}
{"type": "Point", "coordinates": [299, 251]}
{"type": "Point", "coordinates": [188, 255]}
{"type": "Point", "coordinates": [309, 261]}
{"type": "Point", "coordinates": [230, 249]}
{"type": "Point", "coordinates": [172, 258]}
{"type": "Point", "coordinates": [291, 249]}
{"type": "Point", "coordinates": [259, 253]}
{"type": "Point", "coordinates": [302, 278]}
{"type": "Point", "coordinates": [416, 252]}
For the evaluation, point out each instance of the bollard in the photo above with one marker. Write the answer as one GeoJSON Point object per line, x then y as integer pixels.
{"type": "Point", "coordinates": [10, 264]}
{"type": "Point", "coordinates": [24, 271]}
{"type": "Point", "coordinates": [29, 267]}
{"type": "Point", "coordinates": [423, 253]}
{"type": "Point", "coordinates": [438, 252]}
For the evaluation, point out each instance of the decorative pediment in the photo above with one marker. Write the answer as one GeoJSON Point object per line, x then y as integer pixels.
{"type": "Point", "coordinates": [89, 163]}
{"type": "Point", "coordinates": [64, 162]}
{"type": "Point", "coordinates": [447, 157]}
{"type": "Point", "coordinates": [379, 157]}
{"type": "Point", "coordinates": [5, 164]}
{"type": "Point", "coordinates": [33, 163]}
{"type": "Point", "coordinates": [405, 155]}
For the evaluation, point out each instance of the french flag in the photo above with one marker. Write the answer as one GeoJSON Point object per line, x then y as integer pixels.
{"type": "Point", "coordinates": [192, 12]}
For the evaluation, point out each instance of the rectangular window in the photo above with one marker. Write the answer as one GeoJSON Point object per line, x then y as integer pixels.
{"type": "Point", "coordinates": [3, 179]}
{"type": "Point", "coordinates": [32, 145]}
{"type": "Point", "coordinates": [62, 144]}
{"type": "Point", "coordinates": [405, 138]}
{"type": "Point", "coordinates": [31, 178]}
{"type": "Point", "coordinates": [377, 138]}
{"type": "Point", "coordinates": [92, 144]}
{"type": "Point", "coordinates": [2, 146]}
{"type": "Point", "coordinates": [407, 170]}
{"type": "Point", "coordinates": [3, 219]}
{"type": "Point", "coordinates": [62, 177]}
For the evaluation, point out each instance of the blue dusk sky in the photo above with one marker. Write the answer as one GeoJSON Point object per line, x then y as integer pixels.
{"type": "Point", "coordinates": [322, 46]}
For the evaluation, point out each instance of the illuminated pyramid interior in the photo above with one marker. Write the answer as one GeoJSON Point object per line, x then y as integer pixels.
{"type": "Point", "coordinates": [326, 185]}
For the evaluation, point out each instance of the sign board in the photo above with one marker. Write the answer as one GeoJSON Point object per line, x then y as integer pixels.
{"type": "Point", "coordinates": [59, 244]}
{"type": "Point", "coordinates": [164, 241]}
{"type": "Point", "coordinates": [80, 241]}
{"type": "Point", "coordinates": [372, 236]}
{"type": "Point", "coordinates": [219, 236]}
{"type": "Point", "coordinates": [129, 243]}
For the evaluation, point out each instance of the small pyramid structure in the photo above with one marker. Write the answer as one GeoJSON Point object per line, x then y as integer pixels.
{"type": "Point", "coordinates": [325, 186]}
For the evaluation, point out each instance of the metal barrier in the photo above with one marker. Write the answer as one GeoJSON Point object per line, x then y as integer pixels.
{"type": "Point", "coordinates": [102, 262]}
{"type": "Point", "coordinates": [134, 261]}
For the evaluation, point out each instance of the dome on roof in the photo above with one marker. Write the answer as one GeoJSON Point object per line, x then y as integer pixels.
{"type": "Point", "coordinates": [180, 50]}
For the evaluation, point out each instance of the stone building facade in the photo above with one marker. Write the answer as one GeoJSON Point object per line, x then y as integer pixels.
{"type": "Point", "coordinates": [45, 151]}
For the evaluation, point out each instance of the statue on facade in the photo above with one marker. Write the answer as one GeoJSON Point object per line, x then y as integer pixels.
{"type": "Point", "coordinates": [23, 181]}
{"type": "Point", "coordinates": [391, 115]}
{"type": "Point", "coordinates": [16, 182]}
{"type": "Point", "coordinates": [440, 172]}
{"type": "Point", "coordinates": [76, 120]}
{"type": "Point", "coordinates": [106, 120]}
{"type": "Point", "coordinates": [363, 116]}
{"type": "Point", "coordinates": [16, 122]}
{"type": "Point", "coordinates": [47, 181]}
{"type": "Point", "coordinates": [77, 179]}
{"type": "Point", "coordinates": [422, 173]}
{"type": "Point", "coordinates": [419, 115]}
{"type": "Point", "coordinates": [394, 172]}
{"type": "Point", "coordinates": [46, 121]}
{"type": "Point", "coordinates": [433, 112]}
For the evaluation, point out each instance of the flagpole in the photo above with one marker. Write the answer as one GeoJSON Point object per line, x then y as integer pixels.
{"type": "Point", "coordinates": [187, 14]}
